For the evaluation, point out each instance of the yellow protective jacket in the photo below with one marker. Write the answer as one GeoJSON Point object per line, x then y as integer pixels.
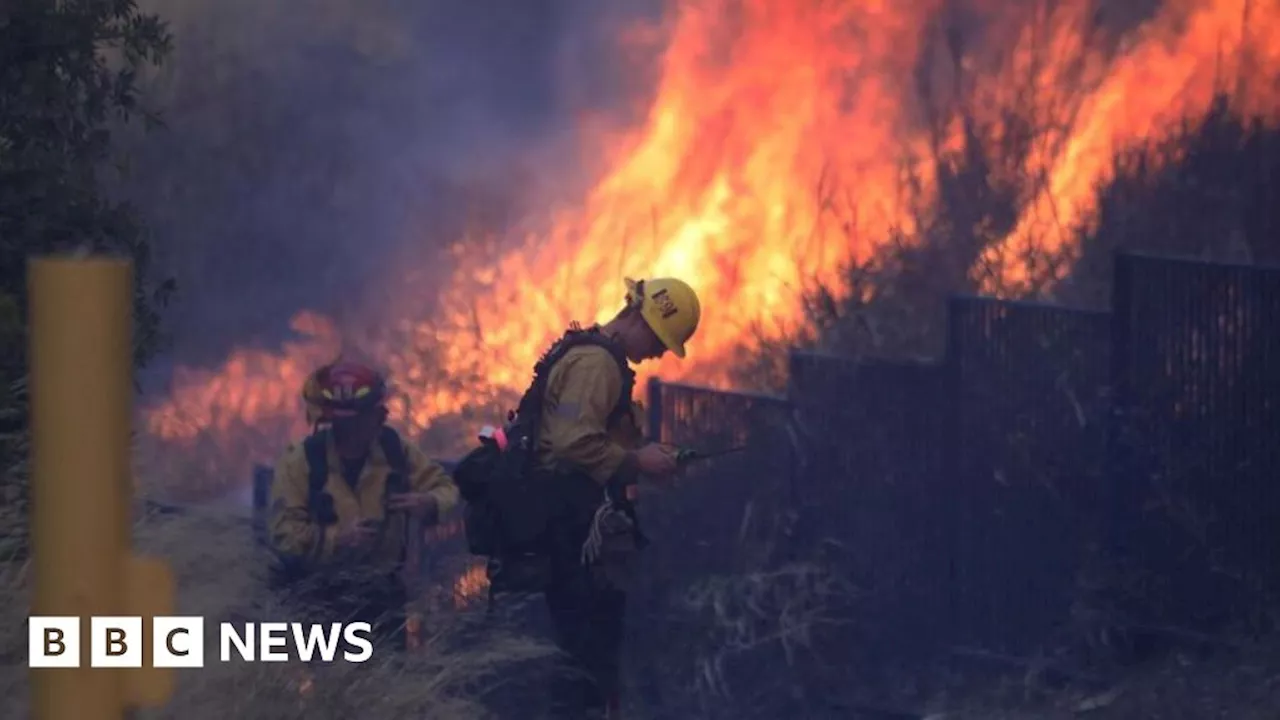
{"type": "Point", "coordinates": [582, 390]}
{"type": "Point", "coordinates": [297, 535]}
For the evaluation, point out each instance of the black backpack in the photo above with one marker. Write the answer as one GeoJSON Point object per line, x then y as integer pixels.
{"type": "Point", "coordinates": [508, 509]}
{"type": "Point", "coordinates": [320, 502]}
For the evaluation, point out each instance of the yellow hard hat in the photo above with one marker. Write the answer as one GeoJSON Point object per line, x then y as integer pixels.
{"type": "Point", "coordinates": [669, 306]}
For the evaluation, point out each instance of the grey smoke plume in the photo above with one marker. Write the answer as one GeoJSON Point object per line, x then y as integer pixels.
{"type": "Point", "coordinates": [309, 143]}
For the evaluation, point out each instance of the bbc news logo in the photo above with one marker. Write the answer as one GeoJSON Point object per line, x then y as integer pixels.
{"type": "Point", "coordinates": [179, 642]}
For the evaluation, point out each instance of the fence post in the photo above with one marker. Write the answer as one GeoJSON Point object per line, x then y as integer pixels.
{"type": "Point", "coordinates": [81, 351]}
{"type": "Point", "coordinates": [797, 454]}
{"type": "Point", "coordinates": [1121, 483]}
{"type": "Point", "coordinates": [653, 403]}
{"type": "Point", "coordinates": [795, 381]}
{"type": "Point", "coordinates": [953, 476]}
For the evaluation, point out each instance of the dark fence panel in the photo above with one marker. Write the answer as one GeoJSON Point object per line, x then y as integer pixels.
{"type": "Point", "coordinates": [872, 499]}
{"type": "Point", "coordinates": [1030, 399]}
{"type": "Point", "coordinates": [1198, 449]}
{"type": "Point", "coordinates": [716, 536]}
{"type": "Point", "coordinates": [727, 497]}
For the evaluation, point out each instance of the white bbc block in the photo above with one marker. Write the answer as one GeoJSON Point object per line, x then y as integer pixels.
{"type": "Point", "coordinates": [115, 642]}
{"type": "Point", "coordinates": [177, 642]}
{"type": "Point", "coordinates": [53, 641]}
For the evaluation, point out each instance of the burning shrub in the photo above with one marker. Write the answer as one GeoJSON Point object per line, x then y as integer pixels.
{"type": "Point", "coordinates": [1006, 215]}
{"type": "Point", "coordinates": [1208, 191]}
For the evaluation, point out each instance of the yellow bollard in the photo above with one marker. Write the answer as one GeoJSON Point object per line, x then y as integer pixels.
{"type": "Point", "coordinates": [81, 387]}
{"type": "Point", "coordinates": [81, 396]}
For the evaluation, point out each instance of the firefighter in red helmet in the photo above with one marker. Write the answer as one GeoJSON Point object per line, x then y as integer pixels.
{"type": "Point", "coordinates": [343, 502]}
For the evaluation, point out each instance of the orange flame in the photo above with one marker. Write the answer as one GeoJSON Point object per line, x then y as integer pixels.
{"type": "Point", "coordinates": [774, 150]}
{"type": "Point", "coordinates": [1169, 68]}
{"type": "Point", "coordinates": [470, 586]}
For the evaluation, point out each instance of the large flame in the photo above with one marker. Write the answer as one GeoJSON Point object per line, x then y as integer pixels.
{"type": "Point", "coordinates": [1168, 69]}
{"type": "Point", "coordinates": [779, 141]}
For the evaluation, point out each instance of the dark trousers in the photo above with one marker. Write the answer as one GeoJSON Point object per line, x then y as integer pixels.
{"type": "Point", "coordinates": [586, 618]}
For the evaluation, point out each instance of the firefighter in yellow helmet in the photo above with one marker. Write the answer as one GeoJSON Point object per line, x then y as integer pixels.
{"type": "Point", "coordinates": [342, 502]}
{"type": "Point", "coordinates": [591, 451]}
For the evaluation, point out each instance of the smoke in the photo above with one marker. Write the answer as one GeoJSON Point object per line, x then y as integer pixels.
{"type": "Point", "coordinates": [311, 147]}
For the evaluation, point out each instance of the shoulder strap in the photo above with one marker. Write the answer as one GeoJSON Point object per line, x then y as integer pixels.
{"type": "Point", "coordinates": [628, 377]}
{"type": "Point", "coordinates": [530, 408]}
{"type": "Point", "coordinates": [316, 449]}
{"type": "Point", "coordinates": [398, 475]}
{"type": "Point", "coordinates": [599, 339]}
{"type": "Point", "coordinates": [393, 449]}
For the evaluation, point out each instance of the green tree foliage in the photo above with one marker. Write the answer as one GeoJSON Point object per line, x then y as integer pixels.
{"type": "Point", "coordinates": [67, 79]}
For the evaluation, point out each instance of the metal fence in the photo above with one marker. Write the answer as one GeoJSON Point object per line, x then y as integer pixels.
{"type": "Point", "coordinates": [726, 517]}
{"type": "Point", "coordinates": [1196, 447]}
{"type": "Point", "coordinates": [960, 492]}
{"type": "Point", "coordinates": [1028, 406]}
{"type": "Point", "coordinates": [723, 502]}
{"type": "Point", "coordinates": [870, 495]}
{"type": "Point", "coordinates": [1046, 433]}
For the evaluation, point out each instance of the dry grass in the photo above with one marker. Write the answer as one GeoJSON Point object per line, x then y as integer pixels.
{"type": "Point", "coordinates": [745, 649]}
{"type": "Point", "coordinates": [731, 623]}
{"type": "Point", "coordinates": [1238, 681]}
{"type": "Point", "coordinates": [747, 613]}
{"type": "Point", "coordinates": [219, 575]}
